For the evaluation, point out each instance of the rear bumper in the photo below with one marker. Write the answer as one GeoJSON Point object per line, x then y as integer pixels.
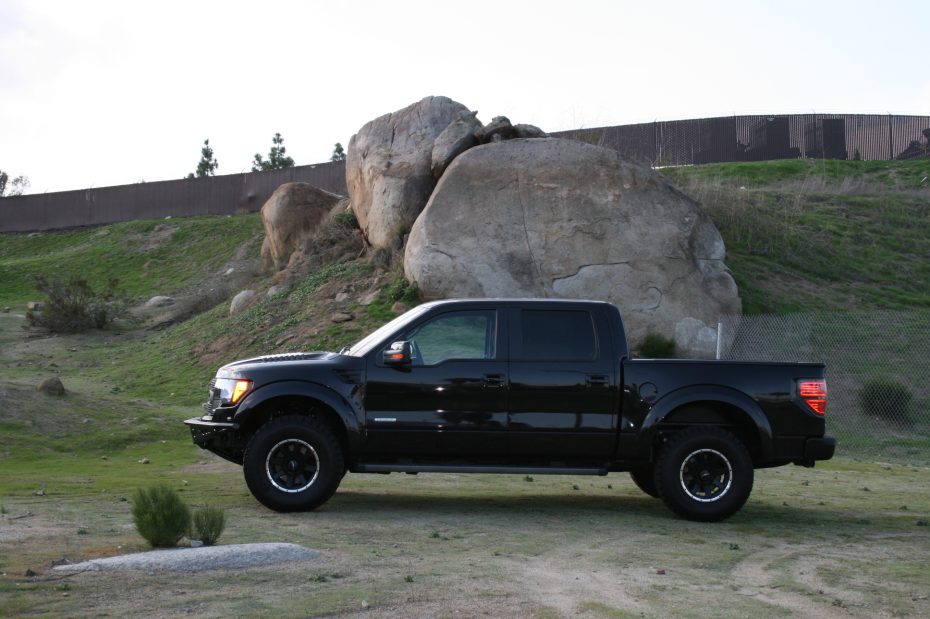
{"type": "Point", "coordinates": [815, 449]}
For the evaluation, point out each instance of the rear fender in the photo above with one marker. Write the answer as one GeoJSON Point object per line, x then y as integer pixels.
{"type": "Point", "coordinates": [707, 395]}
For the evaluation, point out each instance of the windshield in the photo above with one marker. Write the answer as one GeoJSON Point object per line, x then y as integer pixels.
{"type": "Point", "coordinates": [365, 345]}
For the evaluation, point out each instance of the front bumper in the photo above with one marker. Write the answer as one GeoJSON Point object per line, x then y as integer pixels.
{"type": "Point", "coordinates": [220, 437]}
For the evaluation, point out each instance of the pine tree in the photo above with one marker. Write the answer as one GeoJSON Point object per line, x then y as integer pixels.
{"type": "Point", "coordinates": [277, 160]}
{"type": "Point", "coordinates": [17, 186]}
{"type": "Point", "coordinates": [338, 153]}
{"type": "Point", "coordinates": [207, 165]}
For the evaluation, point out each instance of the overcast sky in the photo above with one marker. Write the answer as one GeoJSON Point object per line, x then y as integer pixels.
{"type": "Point", "coordinates": [105, 93]}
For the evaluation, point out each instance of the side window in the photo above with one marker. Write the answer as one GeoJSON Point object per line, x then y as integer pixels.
{"type": "Point", "coordinates": [458, 335]}
{"type": "Point", "coordinates": [558, 335]}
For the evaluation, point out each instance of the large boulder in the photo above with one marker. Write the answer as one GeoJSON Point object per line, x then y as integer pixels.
{"type": "Point", "coordinates": [292, 213]}
{"type": "Point", "coordinates": [560, 218]}
{"type": "Point", "coordinates": [388, 167]}
{"type": "Point", "coordinates": [454, 140]}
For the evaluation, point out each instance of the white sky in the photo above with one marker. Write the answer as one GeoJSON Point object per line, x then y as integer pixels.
{"type": "Point", "coordinates": [99, 93]}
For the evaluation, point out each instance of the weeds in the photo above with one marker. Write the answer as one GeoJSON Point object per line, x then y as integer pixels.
{"type": "Point", "coordinates": [657, 346]}
{"type": "Point", "coordinates": [74, 306]}
{"type": "Point", "coordinates": [209, 523]}
{"type": "Point", "coordinates": [160, 516]}
{"type": "Point", "coordinates": [886, 399]}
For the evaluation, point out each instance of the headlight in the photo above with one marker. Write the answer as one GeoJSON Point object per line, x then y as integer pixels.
{"type": "Point", "coordinates": [231, 390]}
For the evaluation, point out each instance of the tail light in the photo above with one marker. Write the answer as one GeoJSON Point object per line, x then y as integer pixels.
{"type": "Point", "coordinates": [814, 393]}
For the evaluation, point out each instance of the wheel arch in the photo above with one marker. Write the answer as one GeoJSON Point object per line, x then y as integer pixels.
{"type": "Point", "coordinates": [717, 406]}
{"type": "Point", "coordinates": [300, 398]}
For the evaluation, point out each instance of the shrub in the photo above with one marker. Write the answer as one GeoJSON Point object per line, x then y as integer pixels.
{"type": "Point", "coordinates": [657, 346]}
{"type": "Point", "coordinates": [403, 290]}
{"type": "Point", "coordinates": [886, 399]}
{"type": "Point", "coordinates": [160, 516]}
{"type": "Point", "coordinates": [209, 523]}
{"type": "Point", "coordinates": [74, 306]}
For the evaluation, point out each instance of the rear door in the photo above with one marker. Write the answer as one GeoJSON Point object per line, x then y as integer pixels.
{"type": "Point", "coordinates": [563, 399]}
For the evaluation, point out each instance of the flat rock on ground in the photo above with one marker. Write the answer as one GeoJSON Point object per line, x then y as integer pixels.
{"type": "Point", "coordinates": [233, 556]}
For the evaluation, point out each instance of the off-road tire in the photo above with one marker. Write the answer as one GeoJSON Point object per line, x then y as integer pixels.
{"type": "Point", "coordinates": [644, 478]}
{"type": "Point", "coordinates": [704, 474]}
{"type": "Point", "coordinates": [293, 463]}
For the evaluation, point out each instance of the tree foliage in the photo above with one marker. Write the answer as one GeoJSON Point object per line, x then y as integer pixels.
{"type": "Point", "coordinates": [208, 164]}
{"type": "Point", "coordinates": [277, 159]}
{"type": "Point", "coordinates": [338, 153]}
{"type": "Point", "coordinates": [16, 187]}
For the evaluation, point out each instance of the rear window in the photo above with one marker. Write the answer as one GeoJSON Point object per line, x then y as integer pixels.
{"type": "Point", "coordinates": [558, 335]}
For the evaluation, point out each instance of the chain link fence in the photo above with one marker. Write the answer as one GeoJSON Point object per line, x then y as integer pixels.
{"type": "Point", "coordinates": [878, 373]}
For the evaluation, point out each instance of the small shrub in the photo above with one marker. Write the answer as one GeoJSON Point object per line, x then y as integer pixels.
{"type": "Point", "coordinates": [209, 523]}
{"type": "Point", "coordinates": [404, 291]}
{"type": "Point", "coordinates": [657, 346]}
{"type": "Point", "coordinates": [886, 399]}
{"type": "Point", "coordinates": [160, 516]}
{"type": "Point", "coordinates": [74, 306]}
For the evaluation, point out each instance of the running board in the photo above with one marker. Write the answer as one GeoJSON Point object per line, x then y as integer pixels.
{"type": "Point", "coordinates": [458, 468]}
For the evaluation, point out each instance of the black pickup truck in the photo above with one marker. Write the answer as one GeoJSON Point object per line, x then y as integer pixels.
{"type": "Point", "coordinates": [512, 386]}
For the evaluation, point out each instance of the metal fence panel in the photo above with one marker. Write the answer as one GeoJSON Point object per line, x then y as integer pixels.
{"type": "Point", "coordinates": [877, 368]}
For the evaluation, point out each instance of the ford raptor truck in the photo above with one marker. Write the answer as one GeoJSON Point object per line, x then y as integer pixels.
{"type": "Point", "coordinates": [512, 386]}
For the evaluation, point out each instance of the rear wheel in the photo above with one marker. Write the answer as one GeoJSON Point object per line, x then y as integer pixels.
{"type": "Point", "coordinates": [293, 463]}
{"type": "Point", "coordinates": [644, 478]}
{"type": "Point", "coordinates": [704, 474]}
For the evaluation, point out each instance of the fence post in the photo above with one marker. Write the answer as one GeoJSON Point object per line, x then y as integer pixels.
{"type": "Point", "coordinates": [890, 140]}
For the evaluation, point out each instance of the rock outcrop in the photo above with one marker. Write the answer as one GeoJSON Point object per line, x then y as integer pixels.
{"type": "Point", "coordinates": [292, 213]}
{"type": "Point", "coordinates": [389, 167]}
{"type": "Point", "coordinates": [559, 218]}
{"type": "Point", "coordinates": [455, 139]}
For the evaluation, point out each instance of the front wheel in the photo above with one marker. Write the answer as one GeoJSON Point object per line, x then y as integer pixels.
{"type": "Point", "coordinates": [704, 474]}
{"type": "Point", "coordinates": [293, 463]}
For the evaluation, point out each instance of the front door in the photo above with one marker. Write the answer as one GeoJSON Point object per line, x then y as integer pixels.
{"type": "Point", "coordinates": [451, 400]}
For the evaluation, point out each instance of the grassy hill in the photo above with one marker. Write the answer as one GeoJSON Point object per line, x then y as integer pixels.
{"type": "Point", "coordinates": [800, 236]}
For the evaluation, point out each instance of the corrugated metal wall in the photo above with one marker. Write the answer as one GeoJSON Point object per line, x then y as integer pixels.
{"type": "Point", "coordinates": [215, 195]}
{"type": "Point", "coordinates": [678, 142]}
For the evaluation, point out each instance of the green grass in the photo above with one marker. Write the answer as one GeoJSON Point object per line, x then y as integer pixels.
{"type": "Point", "coordinates": [800, 237]}
{"type": "Point", "coordinates": [148, 257]}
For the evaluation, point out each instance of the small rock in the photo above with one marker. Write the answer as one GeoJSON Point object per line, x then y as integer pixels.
{"type": "Point", "coordinates": [399, 308]}
{"type": "Point", "coordinates": [104, 458]}
{"type": "Point", "coordinates": [144, 461]}
{"type": "Point", "coordinates": [160, 301]}
{"type": "Point", "coordinates": [7, 310]}
{"type": "Point", "coordinates": [369, 298]}
{"type": "Point", "coordinates": [196, 543]}
{"type": "Point", "coordinates": [240, 300]}
{"type": "Point", "coordinates": [52, 386]}
{"type": "Point", "coordinates": [364, 605]}
{"type": "Point", "coordinates": [660, 572]}
{"type": "Point", "coordinates": [342, 297]}
{"type": "Point", "coordinates": [229, 271]}
{"type": "Point", "coordinates": [35, 306]}
{"type": "Point", "coordinates": [341, 317]}
{"type": "Point", "coordinates": [276, 289]}
{"type": "Point", "coordinates": [29, 573]}
{"type": "Point", "coordinates": [86, 420]}
{"type": "Point", "coordinates": [40, 492]}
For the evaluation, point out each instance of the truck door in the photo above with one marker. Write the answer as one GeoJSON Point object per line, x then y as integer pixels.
{"type": "Point", "coordinates": [451, 400]}
{"type": "Point", "coordinates": [563, 384]}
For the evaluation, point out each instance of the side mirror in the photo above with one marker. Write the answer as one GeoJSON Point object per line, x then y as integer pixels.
{"type": "Point", "coordinates": [398, 353]}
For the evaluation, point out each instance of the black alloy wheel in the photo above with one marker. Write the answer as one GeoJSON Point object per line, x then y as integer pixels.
{"type": "Point", "coordinates": [293, 463]}
{"type": "Point", "coordinates": [704, 474]}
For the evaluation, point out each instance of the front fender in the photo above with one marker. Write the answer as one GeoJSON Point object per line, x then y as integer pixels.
{"type": "Point", "coordinates": [708, 394]}
{"type": "Point", "coordinates": [343, 406]}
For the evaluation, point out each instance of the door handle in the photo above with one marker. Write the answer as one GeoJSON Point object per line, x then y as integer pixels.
{"type": "Point", "coordinates": [596, 380]}
{"type": "Point", "coordinates": [494, 381]}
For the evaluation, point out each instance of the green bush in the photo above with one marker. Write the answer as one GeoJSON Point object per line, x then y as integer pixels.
{"type": "Point", "coordinates": [403, 290]}
{"type": "Point", "coordinates": [160, 516]}
{"type": "Point", "coordinates": [74, 306]}
{"type": "Point", "coordinates": [886, 399]}
{"type": "Point", "coordinates": [209, 523]}
{"type": "Point", "coordinates": [657, 346]}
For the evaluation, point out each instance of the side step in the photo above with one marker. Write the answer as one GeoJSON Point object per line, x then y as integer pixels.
{"type": "Point", "coordinates": [459, 468]}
